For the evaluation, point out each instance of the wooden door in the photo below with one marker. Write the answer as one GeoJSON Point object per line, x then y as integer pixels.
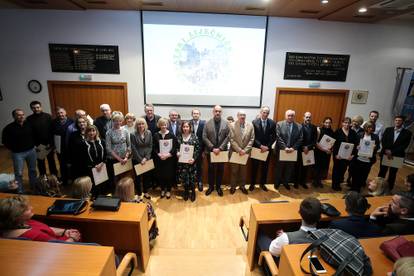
{"type": "Point", "coordinates": [73, 95]}
{"type": "Point", "coordinates": [320, 102]}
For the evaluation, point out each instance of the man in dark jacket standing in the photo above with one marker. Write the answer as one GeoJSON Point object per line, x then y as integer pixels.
{"type": "Point", "coordinates": [310, 135]}
{"type": "Point", "coordinates": [394, 142]}
{"type": "Point", "coordinates": [42, 133]}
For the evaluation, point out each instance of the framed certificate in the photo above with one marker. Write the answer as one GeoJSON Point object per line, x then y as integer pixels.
{"type": "Point", "coordinates": [140, 169]}
{"type": "Point", "coordinates": [166, 145]}
{"type": "Point", "coordinates": [101, 176]}
{"type": "Point", "coordinates": [394, 162]}
{"type": "Point", "coordinates": [366, 148]}
{"type": "Point", "coordinates": [327, 142]}
{"type": "Point", "coordinates": [239, 159]}
{"type": "Point", "coordinates": [119, 168]}
{"type": "Point", "coordinates": [42, 151]}
{"type": "Point", "coordinates": [222, 157]}
{"type": "Point", "coordinates": [288, 156]}
{"type": "Point", "coordinates": [259, 155]}
{"type": "Point", "coordinates": [186, 153]}
{"type": "Point", "coordinates": [57, 140]}
{"type": "Point", "coordinates": [308, 159]}
{"type": "Point", "coordinates": [345, 150]}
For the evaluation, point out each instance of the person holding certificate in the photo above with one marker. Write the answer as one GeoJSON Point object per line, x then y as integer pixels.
{"type": "Point", "coordinates": [310, 135]}
{"type": "Point", "coordinates": [367, 156]}
{"type": "Point", "coordinates": [342, 135]}
{"type": "Point", "coordinates": [322, 153]}
{"type": "Point", "coordinates": [141, 143]}
{"type": "Point", "coordinates": [241, 141]}
{"type": "Point", "coordinates": [186, 168]}
{"type": "Point", "coordinates": [165, 148]}
{"type": "Point", "coordinates": [76, 148]}
{"type": "Point", "coordinates": [118, 146]}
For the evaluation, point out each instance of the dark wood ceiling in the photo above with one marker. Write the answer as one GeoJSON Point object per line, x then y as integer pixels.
{"type": "Point", "coordinates": [335, 10]}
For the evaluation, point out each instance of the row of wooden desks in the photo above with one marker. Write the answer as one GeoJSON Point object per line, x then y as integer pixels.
{"type": "Point", "coordinates": [19, 257]}
{"type": "Point", "coordinates": [289, 264]}
{"type": "Point", "coordinates": [126, 230]}
{"type": "Point", "coordinates": [281, 215]}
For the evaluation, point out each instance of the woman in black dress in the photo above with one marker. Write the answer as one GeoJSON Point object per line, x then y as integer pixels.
{"type": "Point", "coordinates": [322, 155]}
{"type": "Point", "coordinates": [76, 148]}
{"type": "Point", "coordinates": [165, 148]}
{"type": "Point", "coordinates": [347, 135]}
{"type": "Point", "coordinates": [361, 165]}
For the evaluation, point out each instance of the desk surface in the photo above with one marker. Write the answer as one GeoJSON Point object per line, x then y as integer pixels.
{"type": "Point", "coordinates": [128, 212]}
{"type": "Point", "coordinates": [290, 257]}
{"type": "Point", "coordinates": [288, 212]}
{"type": "Point", "coordinates": [19, 257]}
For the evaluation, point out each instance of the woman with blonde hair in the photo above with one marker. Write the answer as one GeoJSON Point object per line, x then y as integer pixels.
{"type": "Point", "coordinates": [82, 187]}
{"type": "Point", "coordinates": [130, 121]}
{"type": "Point", "coordinates": [165, 147]}
{"type": "Point", "coordinates": [403, 267]}
{"type": "Point", "coordinates": [378, 187]}
{"type": "Point", "coordinates": [16, 222]}
{"type": "Point", "coordinates": [141, 143]}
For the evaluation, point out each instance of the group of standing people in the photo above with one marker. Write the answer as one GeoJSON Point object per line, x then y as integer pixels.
{"type": "Point", "coordinates": [83, 145]}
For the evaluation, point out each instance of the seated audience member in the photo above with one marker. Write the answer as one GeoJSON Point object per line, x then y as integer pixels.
{"type": "Point", "coordinates": [356, 205]}
{"type": "Point", "coordinates": [126, 192]}
{"type": "Point", "coordinates": [48, 185]}
{"type": "Point", "coordinates": [16, 222]}
{"type": "Point", "coordinates": [403, 267]}
{"type": "Point", "coordinates": [8, 183]}
{"type": "Point", "coordinates": [378, 187]}
{"type": "Point", "coordinates": [82, 187]}
{"type": "Point", "coordinates": [398, 217]}
{"type": "Point", "coordinates": [409, 182]}
{"type": "Point", "coordinates": [310, 210]}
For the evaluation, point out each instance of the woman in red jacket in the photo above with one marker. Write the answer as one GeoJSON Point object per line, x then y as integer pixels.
{"type": "Point", "coordinates": [16, 222]}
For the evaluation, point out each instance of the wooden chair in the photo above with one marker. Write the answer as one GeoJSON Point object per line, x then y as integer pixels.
{"type": "Point", "coordinates": [244, 227]}
{"type": "Point", "coordinates": [129, 258]}
{"type": "Point", "coordinates": [267, 262]}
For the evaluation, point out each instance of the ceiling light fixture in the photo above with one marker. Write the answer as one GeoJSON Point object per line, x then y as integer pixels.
{"type": "Point", "coordinates": [323, 2]}
{"type": "Point", "coordinates": [362, 10]}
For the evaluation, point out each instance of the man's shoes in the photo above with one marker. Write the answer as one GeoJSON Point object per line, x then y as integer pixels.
{"type": "Point", "coordinates": [251, 188]}
{"type": "Point", "coordinates": [200, 186]}
{"type": "Point", "coordinates": [276, 186]}
{"type": "Point", "coordinates": [220, 192]}
{"type": "Point", "coordinates": [243, 189]}
{"type": "Point", "coordinates": [193, 196]}
{"type": "Point", "coordinates": [162, 194]}
{"type": "Point", "coordinates": [168, 195]}
{"type": "Point", "coordinates": [263, 187]}
{"type": "Point", "coordinates": [304, 186]}
{"type": "Point", "coordinates": [185, 196]}
{"type": "Point", "coordinates": [296, 186]}
{"type": "Point", "coordinates": [232, 190]}
{"type": "Point", "coordinates": [147, 196]}
{"type": "Point", "coordinates": [286, 186]}
{"type": "Point", "coordinates": [337, 188]}
{"type": "Point", "coordinates": [209, 191]}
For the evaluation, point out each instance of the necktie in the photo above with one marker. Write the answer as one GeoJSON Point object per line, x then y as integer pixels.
{"type": "Point", "coordinates": [289, 133]}
{"type": "Point", "coordinates": [264, 126]}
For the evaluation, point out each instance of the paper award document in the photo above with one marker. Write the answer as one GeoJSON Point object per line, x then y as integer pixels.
{"type": "Point", "coordinates": [345, 150]}
{"type": "Point", "coordinates": [239, 159]}
{"type": "Point", "coordinates": [101, 176]}
{"type": "Point", "coordinates": [327, 142]}
{"type": "Point", "coordinates": [166, 145]}
{"type": "Point", "coordinates": [140, 169]}
{"type": "Point", "coordinates": [186, 153]}
{"type": "Point", "coordinates": [258, 154]}
{"type": "Point", "coordinates": [308, 159]}
{"type": "Point", "coordinates": [394, 162]}
{"type": "Point", "coordinates": [118, 168]}
{"type": "Point", "coordinates": [291, 156]}
{"type": "Point", "coordinates": [222, 157]}
{"type": "Point", "coordinates": [57, 140]}
{"type": "Point", "coordinates": [42, 151]}
{"type": "Point", "coordinates": [366, 148]}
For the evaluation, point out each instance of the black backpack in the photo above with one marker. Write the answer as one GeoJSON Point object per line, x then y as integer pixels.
{"type": "Point", "coordinates": [340, 250]}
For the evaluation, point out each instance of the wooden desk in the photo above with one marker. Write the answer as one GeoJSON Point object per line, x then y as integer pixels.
{"type": "Point", "coordinates": [280, 214]}
{"type": "Point", "coordinates": [290, 257]}
{"type": "Point", "coordinates": [19, 257]}
{"type": "Point", "coordinates": [126, 230]}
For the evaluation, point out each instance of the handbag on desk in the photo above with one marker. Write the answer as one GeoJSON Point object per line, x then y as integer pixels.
{"type": "Point", "coordinates": [67, 207]}
{"type": "Point", "coordinates": [398, 247]}
{"type": "Point", "coordinates": [107, 203]}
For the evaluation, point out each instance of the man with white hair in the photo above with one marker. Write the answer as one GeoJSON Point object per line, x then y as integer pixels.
{"type": "Point", "coordinates": [288, 138]}
{"type": "Point", "coordinates": [174, 125]}
{"type": "Point", "coordinates": [104, 122]}
{"type": "Point", "coordinates": [241, 142]}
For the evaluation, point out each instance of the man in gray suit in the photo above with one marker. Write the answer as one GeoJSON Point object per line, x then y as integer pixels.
{"type": "Point", "coordinates": [215, 138]}
{"type": "Point", "coordinates": [289, 138]}
{"type": "Point", "coordinates": [241, 141]}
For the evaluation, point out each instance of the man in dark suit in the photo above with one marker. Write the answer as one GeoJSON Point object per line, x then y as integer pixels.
{"type": "Point", "coordinates": [215, 139]}
{"type": "Point", "coordinates": [151, 118]}
{"type": "Point", "coordinates": [394, 142]}
{"type": "Point", "coordinates": [289, 138]}
{"type": "Point", "coordinates": [174, 124]}
{"type": "Point", "coordinates": [265, 136]}
{"type": "Point", "coordinates": [398, 217]}
{"type": "Point", "coordinates": [310, 135]}
{"type": "Point", "coordinates": [104, 122]}
{"type": "Point", "coordinates": [356, 225]}
{"type": "Point", "coordinates": [197, 127]}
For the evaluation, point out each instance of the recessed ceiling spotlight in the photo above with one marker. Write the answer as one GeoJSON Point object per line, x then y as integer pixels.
{"type": "Point", "coordinates": [323, 2]}
{"type": "Point", "coordinates": [362, 10]}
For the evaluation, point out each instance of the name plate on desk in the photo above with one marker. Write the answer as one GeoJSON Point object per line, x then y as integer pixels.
{"type": "Point", "coordinates": [259, 155]}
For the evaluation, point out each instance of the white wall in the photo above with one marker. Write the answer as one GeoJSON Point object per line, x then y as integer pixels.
{"type": "Point", "coordinates": [376, 50]}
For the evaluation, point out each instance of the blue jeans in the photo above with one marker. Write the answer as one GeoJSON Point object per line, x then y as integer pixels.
{"type": "Point", "coordinates": [18, 164]}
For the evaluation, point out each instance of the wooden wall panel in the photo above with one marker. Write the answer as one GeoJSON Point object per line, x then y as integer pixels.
{"type": "Point", "coordinates": [88, 96]}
